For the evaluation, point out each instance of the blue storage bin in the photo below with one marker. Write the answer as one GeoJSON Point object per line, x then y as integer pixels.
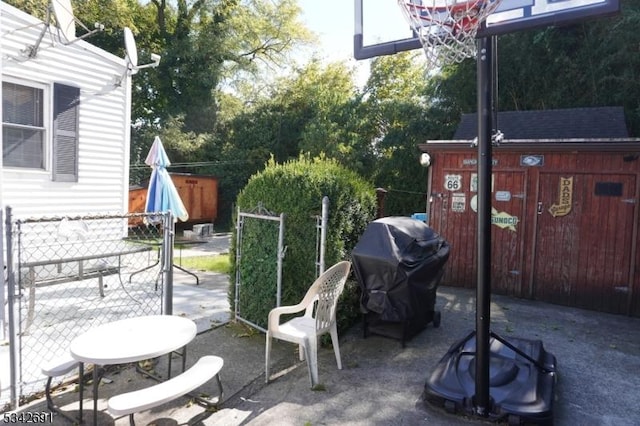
{"type": "Point", "coordinates": [419, 216]}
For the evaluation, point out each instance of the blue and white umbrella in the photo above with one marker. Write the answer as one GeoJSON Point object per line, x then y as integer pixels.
{"type": "Point", "coordinates": [162, 194]}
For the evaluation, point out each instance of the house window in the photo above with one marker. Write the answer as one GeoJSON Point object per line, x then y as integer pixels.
{"type": "Point", "coordinates": [23, 132]}
{"type": "Point", "coordinates": [24, 120]}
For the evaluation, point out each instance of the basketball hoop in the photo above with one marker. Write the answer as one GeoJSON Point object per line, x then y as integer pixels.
{"type": "Point", "coordinates": [447, 28]}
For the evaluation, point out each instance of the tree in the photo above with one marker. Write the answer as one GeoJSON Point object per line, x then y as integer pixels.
{"type": "Point", "coordinates": [396, 110]}
{"type": "Point", "coordinates": [263, 35]}
{"type": "Point", "coordinates": [303, 113]}
{"type": "Point", "coordinates": [587, 64]}
{"type": "Point", "coordinates": [202, 43]}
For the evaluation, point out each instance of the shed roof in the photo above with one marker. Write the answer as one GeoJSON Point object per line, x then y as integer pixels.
{"type": "Point", "coordinates": [572, 123]}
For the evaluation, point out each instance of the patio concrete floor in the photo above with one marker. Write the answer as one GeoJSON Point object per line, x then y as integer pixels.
{"type": "Point", "coordinates": [598, 363]}
{"type": "Point", "coordinates": [598, 360]}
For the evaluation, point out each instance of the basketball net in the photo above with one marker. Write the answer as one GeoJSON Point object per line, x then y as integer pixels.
{"type": "Point", "coordinates": [447, 28]}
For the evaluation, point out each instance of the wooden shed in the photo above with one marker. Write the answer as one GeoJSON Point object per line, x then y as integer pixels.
{"type": "Point", "coordinates": [198, 193]}
{"type": "Point", "coordinates": [564, 210]}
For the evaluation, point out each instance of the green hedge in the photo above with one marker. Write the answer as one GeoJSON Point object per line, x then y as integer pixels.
{"type": "Point", "coordinates": [296, 189]}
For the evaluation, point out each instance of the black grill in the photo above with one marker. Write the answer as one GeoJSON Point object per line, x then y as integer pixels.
{"type": "Point", "coordinates": [399, 263]}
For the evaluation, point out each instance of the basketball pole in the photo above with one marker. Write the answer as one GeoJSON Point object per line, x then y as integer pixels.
{"type": "Point", "coordinates": [486, 83]}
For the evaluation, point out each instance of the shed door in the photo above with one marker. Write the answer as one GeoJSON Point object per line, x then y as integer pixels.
{"type": "Point", "coordinates": [584, 240]}
{"type": "Point", "coordinates": [455, 218]}
{"type": "Point", "coordinates": [507, 231]}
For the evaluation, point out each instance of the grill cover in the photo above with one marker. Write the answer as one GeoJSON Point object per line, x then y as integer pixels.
{"type": "Point", "coordinates": [398, 263]}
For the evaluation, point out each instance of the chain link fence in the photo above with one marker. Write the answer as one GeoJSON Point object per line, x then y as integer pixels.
{"type": "Point", "coordinates": [67, 275]}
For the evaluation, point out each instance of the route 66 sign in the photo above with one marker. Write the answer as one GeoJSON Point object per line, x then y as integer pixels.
{"type": "Point", "coordinates": [452, 182]}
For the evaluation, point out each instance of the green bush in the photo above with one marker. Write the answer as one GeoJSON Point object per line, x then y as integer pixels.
{"type": "Point", "coordinates": [296, 189]}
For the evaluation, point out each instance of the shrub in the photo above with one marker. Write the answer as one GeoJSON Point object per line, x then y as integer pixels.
{"type": "Point", "coordinates": [296, 189]}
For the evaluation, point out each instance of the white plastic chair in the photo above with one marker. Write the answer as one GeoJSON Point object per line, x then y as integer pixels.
{"type": "Point", "coordinates": [320, 304]}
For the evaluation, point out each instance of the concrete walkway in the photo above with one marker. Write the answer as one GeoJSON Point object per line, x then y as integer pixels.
{"type": "Point", "coordinates": [598, 360]}
{"type": "Point", "coordinates": [189, 298]}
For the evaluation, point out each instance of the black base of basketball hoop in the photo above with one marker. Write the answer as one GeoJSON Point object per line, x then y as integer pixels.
{"type": "Point", "coordinates": [522, 381]}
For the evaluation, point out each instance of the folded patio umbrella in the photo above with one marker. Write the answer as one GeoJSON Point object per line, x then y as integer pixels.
{"type": "Point", "coordinates": [162, 194]}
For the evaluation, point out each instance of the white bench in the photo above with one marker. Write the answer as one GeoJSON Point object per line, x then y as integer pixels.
{"type": "Point", "coordinates": [201, 372]}
{"type": "Point", "coordinates": [55, 368]}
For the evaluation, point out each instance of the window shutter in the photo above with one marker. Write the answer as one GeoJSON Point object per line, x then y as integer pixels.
{"type": "Point", "coordinates": [66, 108]}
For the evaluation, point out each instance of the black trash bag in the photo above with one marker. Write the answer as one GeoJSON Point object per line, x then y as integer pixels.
{"type": "Point", "coordinates": [399, 263]}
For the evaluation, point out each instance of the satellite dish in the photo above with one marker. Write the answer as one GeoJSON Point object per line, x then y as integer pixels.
{"type": "Point", "coordinates": [132, 57]}
{"type": "Point", "coordinates": [64, 17]}
{"type": "Point", "coordinates": [130, 47]}
{"type": "Point", "coordinates": [66, 24]}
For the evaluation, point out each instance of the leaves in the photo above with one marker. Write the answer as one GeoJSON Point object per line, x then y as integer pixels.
{"type": "Point", "coordinates": [296, 189]}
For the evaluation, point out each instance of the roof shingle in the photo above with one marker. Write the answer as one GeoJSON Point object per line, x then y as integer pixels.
{"type": "Point", "coordinates": [578, 123]}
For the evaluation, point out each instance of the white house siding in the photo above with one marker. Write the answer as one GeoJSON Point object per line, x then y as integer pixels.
{"type": "Point", "coordinates": [104, 129]}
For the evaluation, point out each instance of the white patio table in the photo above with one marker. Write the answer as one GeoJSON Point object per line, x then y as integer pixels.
{"type": "Point", "coordinates": [129, 340]}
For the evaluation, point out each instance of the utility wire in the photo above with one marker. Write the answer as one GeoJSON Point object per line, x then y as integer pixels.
{"type": "Point", "coordinates": [406, 192]}
{"type": "Point", "coordinates": [193, 164]}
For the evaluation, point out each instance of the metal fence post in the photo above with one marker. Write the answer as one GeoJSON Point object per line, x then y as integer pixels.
{"type": "Point", "coordinates": [3, 315]}
{"type": "Point", "coordinates": [281, 253]}
{"type": "Point", "coordinates": [323, 232]}
{"type": "Point", "coordinates": [11, 291]}
{"type": "Point", "coordinates": [239, 225]}
{"type": "Point", "coordinates": [169, 231]}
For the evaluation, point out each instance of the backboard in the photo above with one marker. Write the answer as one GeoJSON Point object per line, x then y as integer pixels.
{"type": "Point", "coordinates": [380, 29]}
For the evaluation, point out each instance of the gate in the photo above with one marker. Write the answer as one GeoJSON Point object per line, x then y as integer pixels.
{"type": "Point", "coordinates": [67, 275]}
{"type": "Point", "coordinates": [269, 230]}
{"type": "Point", "coordinates": [252, 275]}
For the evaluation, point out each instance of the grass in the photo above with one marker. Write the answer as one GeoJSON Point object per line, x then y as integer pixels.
{"type": "Point", "coordinates": [218, 263]}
